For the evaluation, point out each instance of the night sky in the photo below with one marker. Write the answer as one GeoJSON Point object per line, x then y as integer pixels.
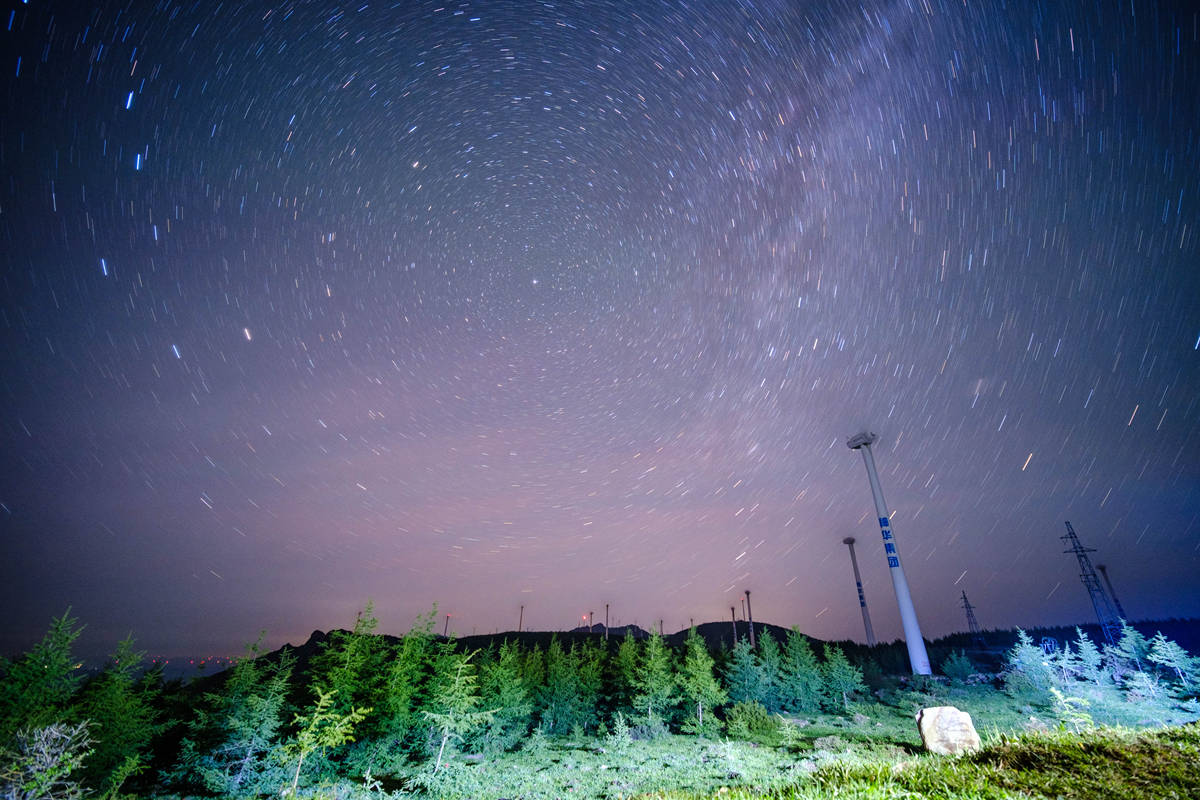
{"type": "Point", "coordinates": [564, 304]}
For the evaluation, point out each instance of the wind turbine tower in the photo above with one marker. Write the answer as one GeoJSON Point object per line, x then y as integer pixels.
{"type": "Point", "coordinates": [918, 659]}
{"type": "Point", "coordinates": [1110, 623]}
{"type": "Point", "coordinates": [862, 600]}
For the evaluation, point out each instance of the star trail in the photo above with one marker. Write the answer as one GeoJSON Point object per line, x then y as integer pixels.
{"type": "Point", "coordinates": [554, 305]}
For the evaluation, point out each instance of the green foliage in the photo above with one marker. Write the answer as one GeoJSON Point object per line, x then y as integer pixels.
{"type": "Point", "coordinates": [42, 763]}
{"type": "Point", "coordinates": [501, 688]}
{"type": "Point", "coordinates": [700, 689]}
{"type": "Point", "coordinates": [1028, 673]}
{"type": "Point", "coordinates": [1174, 660]}
{"type": "Point", "coordinates": [399, 719]}
{"type": "Point", "coordinates": [750, 721]}
{"type": "Point", "coordinates": [568, 695]}
{"type": "Point", "coordinates": [454, 702]}
{"type": "Point", "coordinates": [1128, 655]}
{"type": "Point", "coordinates": [623, 672]}
{"type": "Point", "coordinates": [321, 728]}
{"type": "Point", "coordinates": [842, 679]}
{"type": "Point", "coordinates": [801, 687]}
{"type": "Point", "coordinates": [770, 664]}
{"type": "Point", "coordinates": [743, 675]}
{"type": "Point", "coordinates": [36, 689]}
{"type": "Point", "coordinates": [957, 667]}
{"type": "Point", "coordinates": [228, 748]}
{"type": "Point", "coordinates": [122, 717]}
{"type": "Point", "coordinates": [1090, 662]}
{"type": "Point", "coordinates": [1071, 711]}
{"type": "Point", "coordinates": [655, 685]}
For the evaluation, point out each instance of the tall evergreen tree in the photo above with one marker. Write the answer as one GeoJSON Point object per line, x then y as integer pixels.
{"type": "Point", "coordinates": [655, 684]}
{"type": "Point", "coordinates": [559, 696]}
{"type": "Point", "coordinates": [623, 670]}
{"type": "Point", "coordinates": [351, 664]}
{"type": "Point", "coordinates": [1128, 655]}
{"type": "Point", "coordinates": [454, 705]}
{"type": "Point", "coordinates": [501, 688]}
{"type": "Point", "coordinates": [1091, 664]}
{"type": "Point", "coordinates": [1174, 660]}
{"type": "Point", "coordinates": [231, 741]}
{"type": "Point", "coordinates": [801, 687]}
{"type": "Point", "coordinates": [770, 662]}
{"type": "Point", "coordinates": [1027, 672]}
{"type": "Point", "coordinates": [36, 689]}
{"type": "Point", "coordinates": [842, 679]}
{"type": "Point", "coordinates": [122, 717]}
{"type": "Point", "coordinates": [699, 687]}
{"type": "Point", "coordinates": [404, 678]}
{"type": "Point", "coordinates": [743, 675]}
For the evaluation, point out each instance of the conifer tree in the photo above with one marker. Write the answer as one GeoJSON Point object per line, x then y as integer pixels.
{"type": "Point", "coordinates": [558, 697]}
{"type": "Point", "coordinates": [800, 684]}
{"type": "Point", "coordinates": [454, 703]}
{"type": "Point", "coordinates": [501, 688]}
{"type": "Point", "coordinates": [350, 665]}
{"type": "Point", "coordinates": [589, 661]}
{"type": "Point", "coordinates": [624, 673]}
{"type": "Point", "coordinates": [1174, 659]}
{"type": "Point", "coordinates": [770, 662]}
{"type": "Point", "coordinates": [842, 679]}
{"type": "Point", "coordinates": [1091, 664]}
{"type": "Point", "coordinates": [36, 689]}
{"type": "Point", "coordinates": [230, 742]}
{"type": "Point", "coordinates": [1128, 656]}
{"type": "Point", "coordinates": [700, 689]}
{"type": "Point", "coordinates": [404, 678]}
{"type": "Point", "coordinates": [321, 728]}
{"type": "Point", "coordinates": [121, 716]}
{"type": "Point", "coordinates": [655, 684]}
{"type": "Point", "coordinates": [743, 676]}
{"type": "Point", "coordinates": [1027, 671]}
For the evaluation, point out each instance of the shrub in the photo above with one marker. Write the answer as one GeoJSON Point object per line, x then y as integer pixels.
{"type": "Point", "coordinates": [42, 764]}
{"type": "Point", "coordinates": [957, 667]}
{"type": "Point", "coordinates": [749, 721]}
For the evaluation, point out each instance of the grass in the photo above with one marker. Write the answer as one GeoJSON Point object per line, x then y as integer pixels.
{"type": "Point", "coordinates": [1101, 764]}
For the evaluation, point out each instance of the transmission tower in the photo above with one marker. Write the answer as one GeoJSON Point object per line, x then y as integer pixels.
{"type": "Point", "coordinates": [972, 623]}
{"type": "Point", "coordinates": [1110, 621]}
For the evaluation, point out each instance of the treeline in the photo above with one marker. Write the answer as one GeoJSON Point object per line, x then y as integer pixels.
{"type": "Point", "coordinates": [368, 706]}
{"type": "Point", "coordinates": [369, 703]}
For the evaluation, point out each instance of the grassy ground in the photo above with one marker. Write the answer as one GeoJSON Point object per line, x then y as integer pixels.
{"type": "Point", "coordinates": [870, 756]}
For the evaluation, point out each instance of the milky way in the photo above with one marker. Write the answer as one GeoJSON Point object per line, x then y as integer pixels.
{"type": "Point", "coordinates": [563, 304]}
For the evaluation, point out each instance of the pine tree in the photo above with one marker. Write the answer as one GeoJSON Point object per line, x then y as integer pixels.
{"type": "Point", "coordinates": [121, 716]}
{"type": "Point", "coordinates": [501, 688]}
{"type": "Point", "coordinates": [655, 683]}
{"type": "Point", "coordinates": [1065, 666]}
{"type": "Point", "coordinates": [230, 742]}
{"type": "Point", "coordinates": [36, 689]}
{"type": "Point", "coordinates": [1173, 658]}
{"type": "Point", "coordinates": [1028, 671]}
{"type": "Point", "coordinates": [770, 662]}
{"type": "Point", "coordinates": [454, 703]}
{"type": "Point", "coordinates": [321, 728]}
{"type": "Point", "coordinates": [350, 665]}
{"type": "Point", "coordinates": [1090, 662]}
{"type": "Point", "coordinates": [562, 695]}
{"type": "Point", "coordinates": [589, 661]}
{"type": "Point", "coordinates": [1128, 656]}
{"type": "Point", "coordinates": [404, 679]}
{"type": "Point", "coordinates": [624, 673]}
{"type": "Point", "coordinates": [800, 684]}
{"type": "Point", "coordinates": [700, 689]}
{"type": "Point", "coordinates": [842, 679]}
{"type": "Point", "coordinates": [743, 676]}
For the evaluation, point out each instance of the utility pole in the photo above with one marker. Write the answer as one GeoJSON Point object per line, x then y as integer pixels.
{"type": "Point", "coordinates": [1110, 623]}
{"type": "Point", "coordinates": [606, 622]}
{"type": "Point", "coordinates": [521, 619]}
{"type": "Point", "coordinates": [862, 599]}
{"type": "Point", "coordinates": [446, 627]}
{"type": "Point", "coordinates": [733, 616]}
{"type": "Point", "coordinates": [918, 659]}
